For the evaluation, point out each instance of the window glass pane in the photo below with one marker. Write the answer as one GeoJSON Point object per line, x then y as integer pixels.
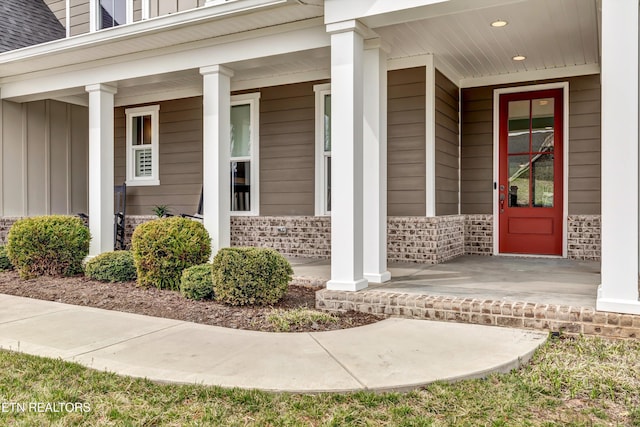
{"type": "Point", "coordinates": [112, 13]}
{"type": "Point", "coordinates": [518, 127]}
{"type": "Point", "coordinates": [542, 174]}
{"type": "Point", "coordinates": [542, 125]}
{"type": "Point", "coordinates": [143, 165]}
{"type": "Point", "coordinates": [327, 123]}
{"type": "Point", "coordinates": [241, 186]}
{"type": "Point", "coordinates": [519, 181]}
{"type": "Point", "coordinates": [141, 132]}
{"type": "Point", "coordinates": [241, 130]}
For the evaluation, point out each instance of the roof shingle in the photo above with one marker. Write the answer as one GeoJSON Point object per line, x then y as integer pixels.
{"type": "Point", "coordinates": [27, 22]}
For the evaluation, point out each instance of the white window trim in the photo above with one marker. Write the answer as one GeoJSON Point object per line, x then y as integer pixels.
{"type": "Point", "coordinates": [253, 100]}
{"type": "Point", "coordinates": [94, 12]}
{"type": "Point", "coordinates": [321, 90]}
{"type": "Point", "coordinates": [153, 111]}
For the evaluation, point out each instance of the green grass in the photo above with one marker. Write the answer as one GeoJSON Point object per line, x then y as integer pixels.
{"type": "Point", "coordinates": [579, 382]}
{"type": "Point", "coordinates": [287, 320]}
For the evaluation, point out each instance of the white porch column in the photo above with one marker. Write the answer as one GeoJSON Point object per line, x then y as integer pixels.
{"type": "Point", "coordinates": [101, 219]}
{"type": "Point", "coordinates": [216, 172]}
{"type": "Point", "coordinates": [430, 143]}
{"type": "Point", "coordinates": [619, 289]}
{"type": "Point", "coordinates": [375, 163]}
{"type": "Point", "coordinates": [347, 49]}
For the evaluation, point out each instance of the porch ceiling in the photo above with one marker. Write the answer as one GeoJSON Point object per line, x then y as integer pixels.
{"type": "Point", "coordinates": [552, 34]}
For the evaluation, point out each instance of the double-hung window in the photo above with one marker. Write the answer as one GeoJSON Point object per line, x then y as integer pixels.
{"type": "Point", "coordinates": [323, 149]}
{"type": "Point", "coordinates": [244, 154]}
{"type": "Point", "coordinates": [142, 145]}
{"type": "Point", "coordinates": [112, 13]}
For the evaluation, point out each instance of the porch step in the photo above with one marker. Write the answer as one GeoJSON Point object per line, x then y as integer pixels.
{"type": "Point", "coordinates": [516, 314]}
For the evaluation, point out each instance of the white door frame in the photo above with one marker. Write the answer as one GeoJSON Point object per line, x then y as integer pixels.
{"type": "Point", "coordinates": [565, 159]}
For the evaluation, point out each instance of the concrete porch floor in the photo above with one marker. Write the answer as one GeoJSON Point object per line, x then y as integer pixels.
{"type": "Point", "coordinates": [502, 278]}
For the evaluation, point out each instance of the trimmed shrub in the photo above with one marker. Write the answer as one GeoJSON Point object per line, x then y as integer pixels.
{"type": "Point", "coordinates": [116, 266]}
{"type": "Point", "coordinates": [164, 247]}
{"type": "Point", "coordinates": [52, 245]}
{"type": "Point", "coordinates": [5, 264]}
{"type": "Point", "coordinates": [197, 282]}
{"type": "Point", "coordinates": [250, 276]}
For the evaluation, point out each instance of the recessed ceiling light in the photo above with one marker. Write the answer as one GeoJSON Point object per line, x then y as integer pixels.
{"type": "Point", "coordinates": [519, 58]}
{"type": "Point", "coordinates": [499, 23]}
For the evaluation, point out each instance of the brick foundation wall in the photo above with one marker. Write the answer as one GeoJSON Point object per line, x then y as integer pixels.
{"type": "Point", "coordinates": [546, 317]}
{"type": "Point", "coordinates": [425, 240]}
{"type": "Point", "coordinates": [478, 234]}
{"type": "Point", "coordinates": [5, 225]}
{"type": "Point", "coordinates": [583, 237]}
{"type": "Point", "coordinates": [130, 224]}
{"type": "Point", "coordinates": [297, 236]}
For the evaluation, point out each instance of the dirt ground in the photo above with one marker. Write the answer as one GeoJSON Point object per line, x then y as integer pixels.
{"type": "Point", "coordinates": [129, 297]}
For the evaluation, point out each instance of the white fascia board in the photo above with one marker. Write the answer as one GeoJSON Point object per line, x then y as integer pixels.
{"type": "Point", "coordinates": [265, 43]}
{"type": "Point", "coordinates": [135, 29]}
{"type": "Point", "coordinates": [551, 73]}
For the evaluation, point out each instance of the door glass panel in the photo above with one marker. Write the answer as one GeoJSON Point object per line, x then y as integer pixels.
{"type": "Point", "coordinates": [241, 130]}
{"type": "Point", "coordinates": [519, 181]}
{"type": "Point", "coordinates": [542, 174]}
{"type": "Point", "coordinates": [542, 125]}
{"type": "Point", "coordinates": [240, 186]}
{"type": "Point", "coordinates": [519, 126]}
{"type": "Point", "coordinates": [327, 123]}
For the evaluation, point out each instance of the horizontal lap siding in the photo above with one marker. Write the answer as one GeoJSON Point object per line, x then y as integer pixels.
{"type": "Point", "coordinates": [180, 165]}
{"type": "Point", "coordinates": [165, 7]}
{"type": "Point", "coordinates": [447, 146]}
{"type": "Point", "coordinates": [58, 7]}
{"type": "Point", "coordinates": [287, 150]}
{"type": "Point", "coordinates": [79, 16]}
{"type": "Point", "coordinates": [584, 146]}
{"type": "Point", "coordinates": [406, 142]}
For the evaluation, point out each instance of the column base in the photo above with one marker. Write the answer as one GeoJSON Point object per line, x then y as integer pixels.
{"type": "Point", "coordinates": [340, 285]}
{"type": "Point", "coordinates": [616, 305]}
{"type": "Point", "coordinates": [378, 277]}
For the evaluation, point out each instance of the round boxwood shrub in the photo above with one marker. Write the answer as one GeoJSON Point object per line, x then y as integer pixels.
{"type": "Point", "coordinates": [164, 247]}
{"type": "Point", "coordinates": [5, 263]}
{"type": "Point", "coordinates": [250, 276]}
{"type": "Point", "coordinates": [197, 282]}
{"type": "Point", "coordinates": [116, 266]}
{"type": "Point", "coordinates": [52, 245]}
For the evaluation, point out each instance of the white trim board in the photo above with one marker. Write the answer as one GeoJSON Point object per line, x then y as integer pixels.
{"type": "Point", "coordinates": [565, 159]}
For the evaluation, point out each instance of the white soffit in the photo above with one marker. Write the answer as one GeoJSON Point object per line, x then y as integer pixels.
{"type": "Point", "coordinates": [554, 35]}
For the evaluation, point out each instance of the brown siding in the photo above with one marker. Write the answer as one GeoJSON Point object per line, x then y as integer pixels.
{"type": "Point", "coordinates": [58, 7]}
{"type": "Point", "coordinates": [406, 142]}
{"type": "Point", "coordinates": [584, 146]}
{"type": "Point", "coordinates": [287, 150]}
{"type": "Point", "coordinates": [79, 17]}
{"type": "Point", "coordinates": [180, 155]}
{"type": "Point", "coordinates": [447, 146]}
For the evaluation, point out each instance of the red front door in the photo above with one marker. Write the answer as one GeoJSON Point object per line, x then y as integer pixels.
{"type": "Point", "coordinates": [531, 173]}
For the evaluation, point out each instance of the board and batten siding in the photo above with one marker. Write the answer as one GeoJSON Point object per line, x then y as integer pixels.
{"type": "Point", "coordinates": [287, 149]}
{"type": "Point", "coordinates": [447, 146]}
{"type": "Point", "coordinates": [584, 146]}
{"type": "Point", "coordinates": [406, 142]}
{"type": "Point", "coordinates": [45, 157]}
{"type": "Point", "coordinates": [180, 157]}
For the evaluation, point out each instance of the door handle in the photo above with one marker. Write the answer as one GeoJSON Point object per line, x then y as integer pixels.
{"type": "Point", "coordinates": [502, 197]}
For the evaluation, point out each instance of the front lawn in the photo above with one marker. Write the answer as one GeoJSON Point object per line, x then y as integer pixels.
{"type": "Point", "coordinates": [582, 381]}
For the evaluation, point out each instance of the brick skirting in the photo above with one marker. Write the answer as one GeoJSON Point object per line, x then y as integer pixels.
{"type": "Point", "coordinates": [410, 239]}
{"type": "Point", "coordinates": [583, 237]}
{"type": "Point", "coordinates": [546, 317]}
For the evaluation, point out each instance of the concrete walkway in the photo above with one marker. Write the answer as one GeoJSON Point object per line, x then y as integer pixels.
{"type": "Point", "coordinates": [394, 354]}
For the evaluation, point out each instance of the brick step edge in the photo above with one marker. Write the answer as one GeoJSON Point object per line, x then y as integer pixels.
{"type": "Point", "coordinates": [309, 282]}
{"type": "Point", "coordinates": [545, 317]}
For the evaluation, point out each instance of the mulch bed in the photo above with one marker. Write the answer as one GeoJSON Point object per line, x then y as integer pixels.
{"type": "Point", "coordinates": [129, 297]}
